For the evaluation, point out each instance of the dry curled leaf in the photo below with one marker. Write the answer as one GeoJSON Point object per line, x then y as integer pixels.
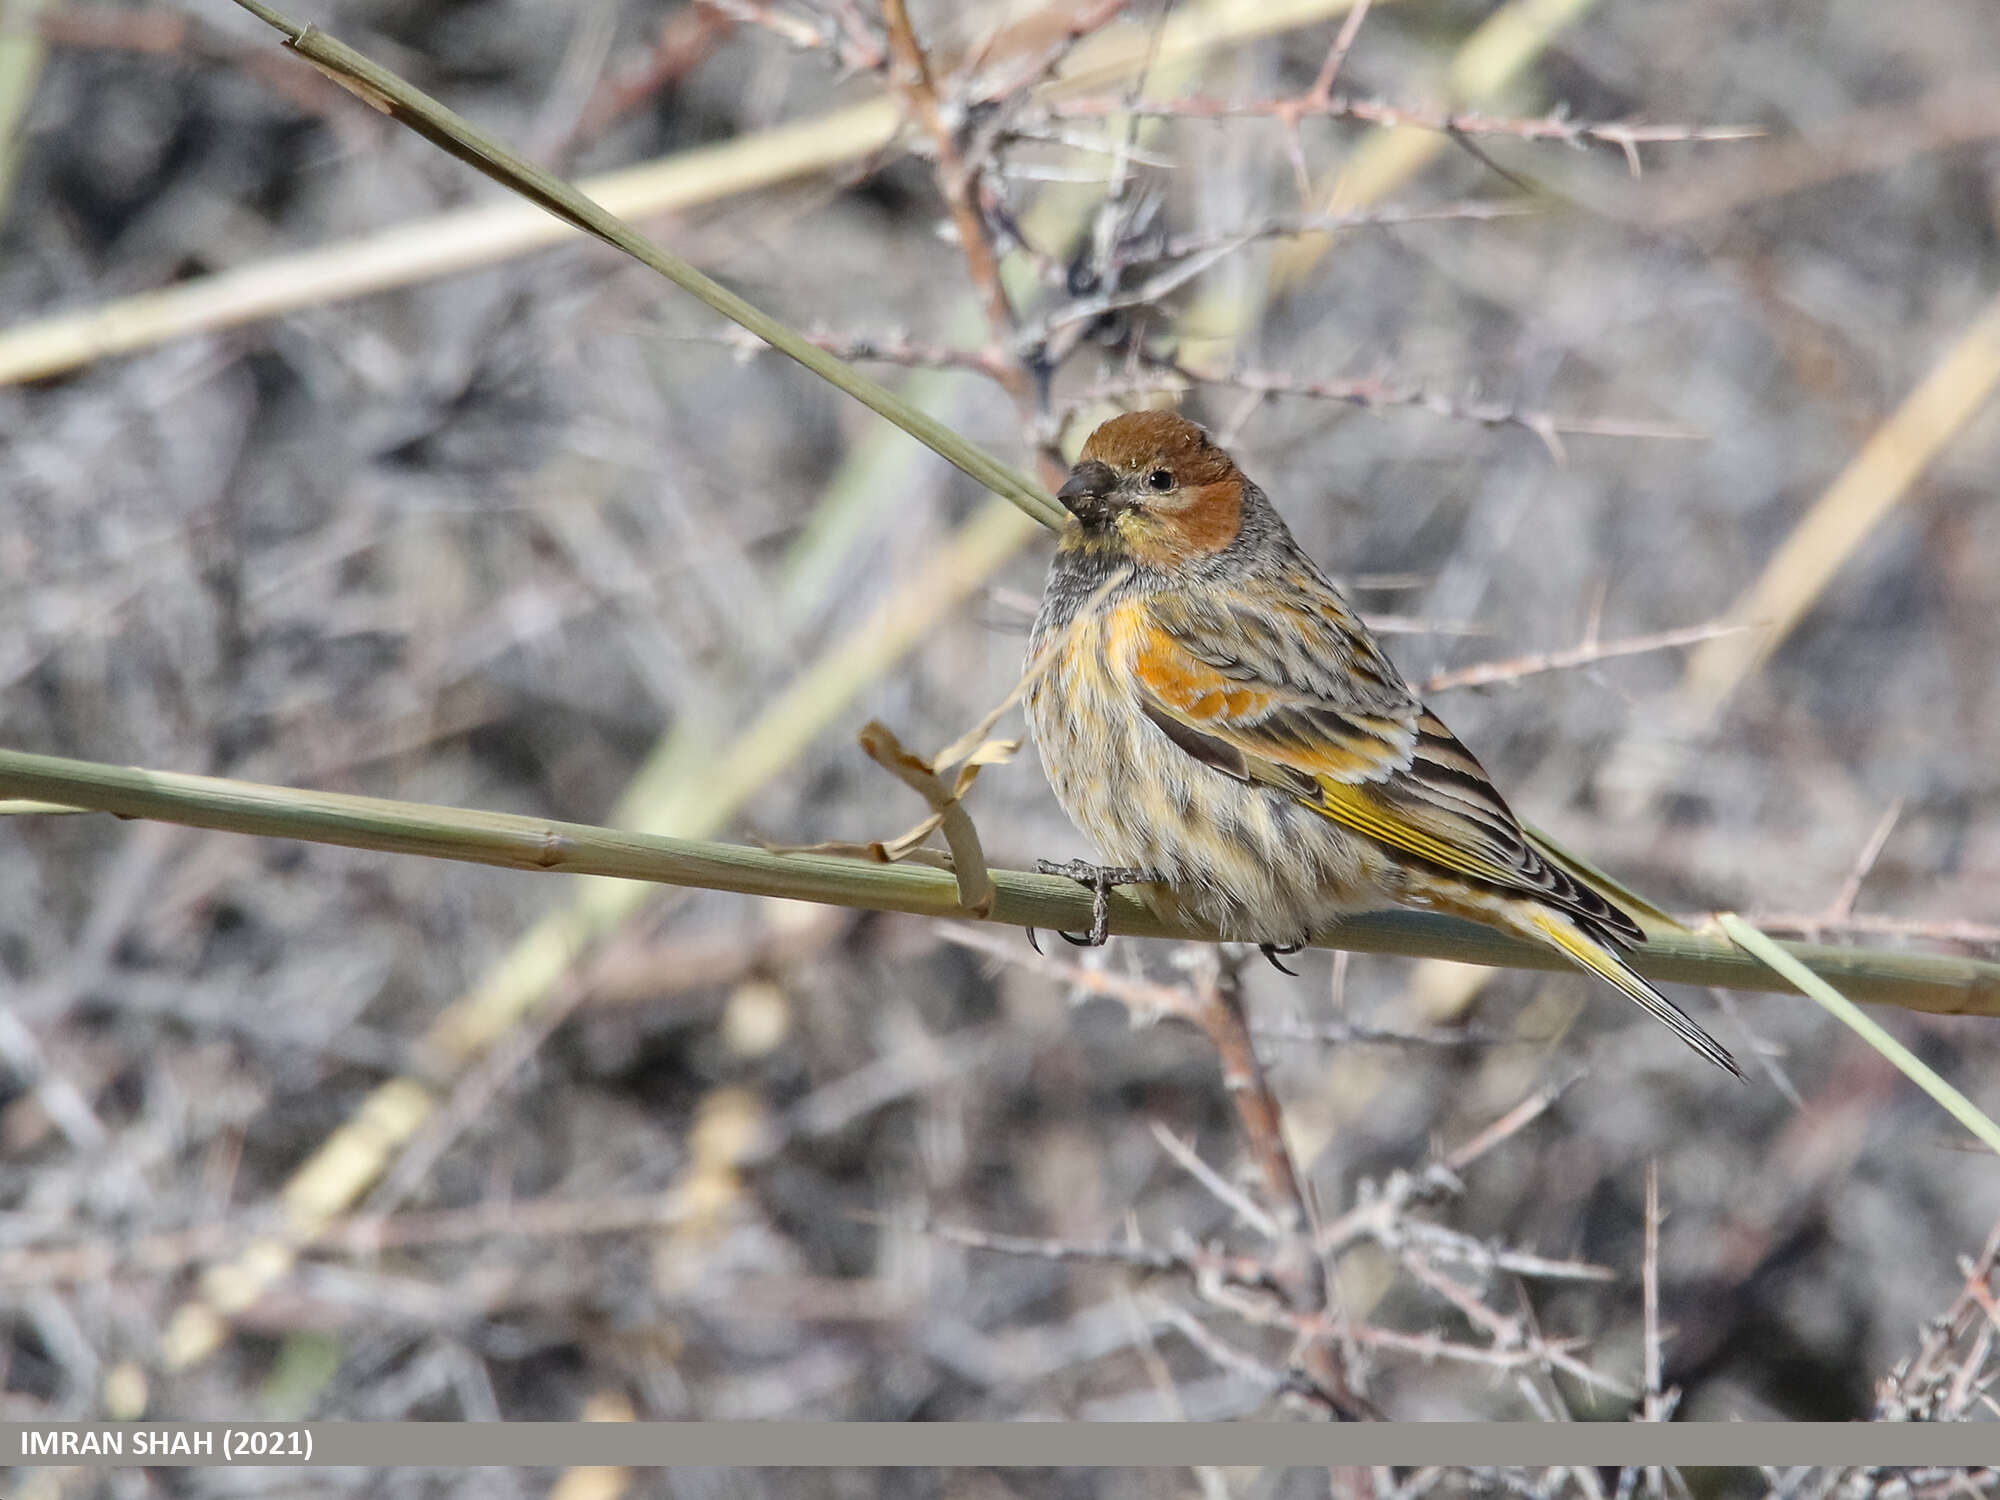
{"type": "Point", "coordinates": [976, 891]}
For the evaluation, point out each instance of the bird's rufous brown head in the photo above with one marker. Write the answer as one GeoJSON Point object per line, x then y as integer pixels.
{"type": "Point", "coordinates": [1152, 484]}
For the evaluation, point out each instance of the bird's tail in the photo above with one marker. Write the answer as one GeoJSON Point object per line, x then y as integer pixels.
{"type": "Point", "coordinates": [1537, 922]}
{"type": "Point", "coordinates": [1649, 917]}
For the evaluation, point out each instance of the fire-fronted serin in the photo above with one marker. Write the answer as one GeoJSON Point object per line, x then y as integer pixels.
{"type": "Point", "coordinates": [1215, 715]}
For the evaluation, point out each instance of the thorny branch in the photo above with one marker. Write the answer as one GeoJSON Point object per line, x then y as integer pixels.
{"type": "Point", "coordinates": [1291, 1272]}
{"type": "Point", "coordinates": [1950, 1376]}
{"type": "Point", "coordinates": [1167, 377]}
{"type": "Point", "coordinates": [959, 181]}
{"type": "Point", "coordinates": [1285, 1286]}
{"type": "Point", "coordinates": [956, 180]}
{"type": "Point", "coordinates": [1211, 1000]}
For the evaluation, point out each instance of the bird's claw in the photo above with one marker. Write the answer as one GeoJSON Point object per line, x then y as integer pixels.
{"type": "Point", "coordinates": [1276, 951]}
{"type": "Point", "coordinates": [1098, 880]}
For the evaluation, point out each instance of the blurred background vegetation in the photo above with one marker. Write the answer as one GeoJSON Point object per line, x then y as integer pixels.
{"type": "Point", "coordinates": [522, 528]}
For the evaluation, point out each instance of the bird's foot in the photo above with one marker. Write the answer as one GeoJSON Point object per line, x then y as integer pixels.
{"type": "Point", "coordinates": [1276, 951]}
{"type": "Point", "coordinates": [1098, 880]}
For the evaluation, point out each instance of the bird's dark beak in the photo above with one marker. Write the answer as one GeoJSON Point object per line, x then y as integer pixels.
{"type": "Point", "coordinates": [1086, 494]}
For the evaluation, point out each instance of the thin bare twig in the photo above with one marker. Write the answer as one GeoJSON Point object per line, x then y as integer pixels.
{"type": "Point", "coordinates": [1212, 1001]}
{"type": "Point", "coordinates": [893, 348]}
{"type": "Point", "coordinates": [1378, 1213]}
{"type": "Point", "coordinates": [1380, 216]}
{"type": "Point", "coordinates": [1381, 393]}
{"type": "Point", "coordinates": [912, 76]}
{"type": "Point", "coordinates": [1336, 56]}
{"type": "Point", "coordinates": [1188, 1260]}
{"type": "Point", "coordinates": [1320, 93]}
{"type": "Point", "coordinates": [1508, 1333]}
{"type": "Point", "coordinates": [1492, 673]}
{"type": "Point", "coordinates": [1216, 993]}
{"type": "Point", "coordinates": [1510, 1124]}
{"type": "Point", "coordinates": [1433, 1346]}
{"type": "Point", "coordinates": [1451, 1247]}
{"type": "Point", "coordinates": [1220, 1188]}
{"type": "Point", "coordinates": [1349, 1033]}
{"type": "Point", "coordinates": [1221, 1352]}
{"type": "Point", "coordinates": [1658, 1403]}
{"type": "Point", "coordinates": [1558, 127]}
{"type": "Point", "coordinates": [848, 44]}
{"type": "Point", "coordinates": [1765, 1052]}
{"type": "Point", "coordinates": [1842, 906]}
{"type": "Point", "coordinates": [1150, 999]}
{"type": "Point", "coordinates": [1953, 1368]}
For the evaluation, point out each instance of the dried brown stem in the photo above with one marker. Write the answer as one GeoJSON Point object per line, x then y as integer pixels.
{"type": "Point", "coordinates": [1216, 1007]}
{"type": "Point", "coordinates": [968, 860]}
{"type": "Point", "coordinates": [1300, 1274]}
{"type": "Point", "coordinates": [957, 181]}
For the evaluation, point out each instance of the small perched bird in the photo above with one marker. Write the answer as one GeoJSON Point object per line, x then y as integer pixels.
{"type": "Point", "coordinates": [1212, 711]}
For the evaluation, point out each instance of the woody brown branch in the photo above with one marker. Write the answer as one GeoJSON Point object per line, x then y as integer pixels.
{"type": "Point", "coordinates": [958, 182]}
{"type": "Point", "coordinates": [1214, 1003]}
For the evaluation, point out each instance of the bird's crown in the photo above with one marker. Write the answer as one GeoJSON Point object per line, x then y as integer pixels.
{"type": "Point", "coordinates": [1142, 438]}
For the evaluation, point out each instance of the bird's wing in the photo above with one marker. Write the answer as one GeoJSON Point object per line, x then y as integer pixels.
{"type": "Point", "coordinates": [1287, 689]}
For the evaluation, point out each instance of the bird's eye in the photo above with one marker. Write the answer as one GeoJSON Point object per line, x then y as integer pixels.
{"type": "Point", "coordinates": [1161, 480]}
